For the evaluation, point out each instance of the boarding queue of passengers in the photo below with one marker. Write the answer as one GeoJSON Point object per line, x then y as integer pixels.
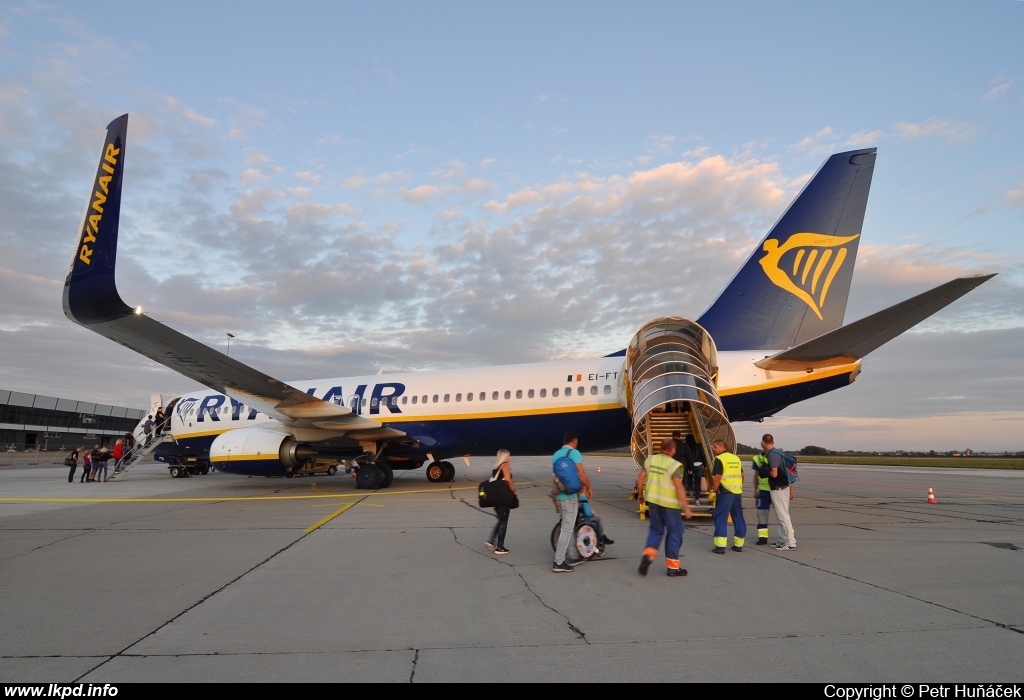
{"type": "Point", "coordinates": [666, 485]}
{"type": "Point", "coordinates": [96, 461]}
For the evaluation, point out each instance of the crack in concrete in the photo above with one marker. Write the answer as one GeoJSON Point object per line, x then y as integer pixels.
{"type": "Point", "coordinates": [48, 544]}
{"type": "Point", "coordinates": [202, 600]}
{"type": "Point", "coordinates": [415, 660]}
{"type": "Point", "coordinates": [576, 630]}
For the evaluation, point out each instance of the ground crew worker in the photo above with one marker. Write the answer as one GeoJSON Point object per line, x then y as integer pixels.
{"type": "Point", "coordinates": [727, 473]}
{"type": "Point", "coordinates": [762, 497]}
{"type": "Point", "coordinates": [660, 484]}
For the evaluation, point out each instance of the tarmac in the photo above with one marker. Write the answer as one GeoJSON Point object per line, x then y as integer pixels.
{"type": "Point", "coordinates": [226, 578]}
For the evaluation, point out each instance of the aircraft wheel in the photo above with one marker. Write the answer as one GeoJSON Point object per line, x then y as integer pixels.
{"type": "Point", "coordinates": [449, 471]}
{"type": "Point", "coordinates": [368, 477]}
{"type": "Point", "coordinates": [387, 475]}
{"type": "Point", "coordinates": [204, 471]}
{"type": "Point", "coordinates": [436, 472]}
{"type": "Point", "coordinates": [175, 472]}
{"type": "Point", "coordinates": [332, 470]}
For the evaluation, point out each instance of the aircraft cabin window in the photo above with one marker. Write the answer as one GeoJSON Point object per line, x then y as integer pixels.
{"type": "Point", "coordinates": [435, 398]}
{"type": "Point", "coordinates": [529, 394]}
{"type": "Point", "coordinates": [519, 393]}
{"type": "Point", "coordinates": [579, 391]}
{"type": "Point", "coordinates": [354, 402]}
{"type": "Point", "coordinates": [568, 391]}
{"type": "Point", "coordinates": [607, 389]}
{"type": "Point", "coordinates": [554, 392]}
{"type": "Point", "coordinates": [364, 403]}
{"type": "Point", "coordinates": [508, 394]}
{"type": "Point", "coordinates": [543, 393]}
{"type": "Point", "coordinates": [494, 396]}
{"type": "Point", "coordinates": [414, 398]}
{"type": "Point", "coordinates": [458, 397]}
{"type": "Point", "coordinates": [447, 398]}
{"type": "Point", "coordinates": [405, 400]}
{"type": "Point", "coordinates": [424, 400]}
{"type": "Point", "coordinates": [374, 403]}
{"type": "Point", "coordinates": [593, 390]}
{"type": "Point", "coordinates": [469, 396]}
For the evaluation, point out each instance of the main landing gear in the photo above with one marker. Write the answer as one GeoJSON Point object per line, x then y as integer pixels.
{"type": "Point", "coordinates": [440, 471]}
{"type": "Point", "coordinates": [376, 475]}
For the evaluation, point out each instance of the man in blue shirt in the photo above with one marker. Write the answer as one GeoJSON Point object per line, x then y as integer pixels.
{"type": "Point", "coordinates": [568, 503]}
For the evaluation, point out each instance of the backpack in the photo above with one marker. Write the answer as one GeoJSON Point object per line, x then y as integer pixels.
{"type": "Point", "coordinates": [790, 463]}
{"type": "Point", "coordinates": [567, 476]}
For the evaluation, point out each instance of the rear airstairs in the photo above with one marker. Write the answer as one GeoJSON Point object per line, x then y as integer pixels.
{"type": "Point", "coordinates": [669, 384]}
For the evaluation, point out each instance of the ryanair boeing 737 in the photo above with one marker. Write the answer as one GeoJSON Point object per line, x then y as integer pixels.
{"type": "Point", "coordinates": [775, 336]}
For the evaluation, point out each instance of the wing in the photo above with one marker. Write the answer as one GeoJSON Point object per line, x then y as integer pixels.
{"type": "Point", "coordinates": [91, 300]}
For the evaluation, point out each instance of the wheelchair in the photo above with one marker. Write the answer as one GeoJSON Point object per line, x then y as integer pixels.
{"type": "Point", "coordinates": [585, 543]}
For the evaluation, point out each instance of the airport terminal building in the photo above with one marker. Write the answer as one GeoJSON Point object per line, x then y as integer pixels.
{"type": "Point", "coordinates": [31, 422]}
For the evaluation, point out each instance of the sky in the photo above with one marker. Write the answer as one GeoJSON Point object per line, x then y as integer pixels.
{"type": "Point", "coordinates": [396, 186]}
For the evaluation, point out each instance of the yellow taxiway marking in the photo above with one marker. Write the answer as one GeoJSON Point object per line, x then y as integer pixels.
{"type": "Point", "coordinates": [329, 518]}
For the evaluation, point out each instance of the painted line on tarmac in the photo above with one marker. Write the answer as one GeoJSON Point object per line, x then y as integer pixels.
{"type": "Point", "coordinates": [329, 518]}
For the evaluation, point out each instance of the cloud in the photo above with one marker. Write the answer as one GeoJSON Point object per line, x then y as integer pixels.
{"type": "Point", "coordinates": [933, 127]}
{"type": "Point", "coordinates": [1015, 195]}
{"type": "Point", "coordinates": [998, 91]}
{"type": "Point", "coordinates": [820, 143]}
{"type": "Point", "coordinates": [187, 112]}
{"type": "Point", "coordinates": [863, 139]}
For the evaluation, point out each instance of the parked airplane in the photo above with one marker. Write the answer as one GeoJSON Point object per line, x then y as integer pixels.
{"type": "Point", "coordinates": [772, 338]}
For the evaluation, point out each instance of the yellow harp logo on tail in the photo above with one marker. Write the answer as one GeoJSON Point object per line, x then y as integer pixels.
{"type": "Point", "coordinates": [814, 252]}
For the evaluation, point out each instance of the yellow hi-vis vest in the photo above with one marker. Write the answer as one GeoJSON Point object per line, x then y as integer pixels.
{"type": "Point", "coordinates": [732, 472]}
{"type": "Point", "coordinates": [762, 483]}
{"type": "Point", "coordinates": [658, 488]}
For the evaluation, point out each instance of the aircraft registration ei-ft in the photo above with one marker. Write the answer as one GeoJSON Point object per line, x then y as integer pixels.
{"type": "Point", "coordinates": [774, 336]}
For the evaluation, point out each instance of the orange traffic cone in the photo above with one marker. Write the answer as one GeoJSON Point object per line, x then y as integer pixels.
{"type": "Point", "coordinates": [931, 495]}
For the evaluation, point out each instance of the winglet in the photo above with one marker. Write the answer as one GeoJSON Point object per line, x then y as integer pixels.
{"type": "Point", "coordinates": [90, 293]}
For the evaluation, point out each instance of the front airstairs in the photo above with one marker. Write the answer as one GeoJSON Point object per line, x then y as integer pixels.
{"type": "Point", "coordinates": [669, 383]}
{"type": "Point", "coordinates": [138, 453]}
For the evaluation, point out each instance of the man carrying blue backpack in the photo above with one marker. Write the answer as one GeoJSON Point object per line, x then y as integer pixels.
{"type": "Point", "coordinates": [570, 481]}
{"type": "Point", "coordinates": [779, 483]}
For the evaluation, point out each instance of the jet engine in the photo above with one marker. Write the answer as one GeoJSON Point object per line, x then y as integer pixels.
{"type": "Point", "coordinates": [256, 451]}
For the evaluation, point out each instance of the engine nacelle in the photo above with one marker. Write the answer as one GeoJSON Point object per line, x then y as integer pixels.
{"type": "Point", "coordinates": [258, 452]}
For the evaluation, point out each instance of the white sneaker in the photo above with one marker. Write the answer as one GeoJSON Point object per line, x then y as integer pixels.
{"type": "Point", "coordinates": [490, 545]}
{"type": "Point", "coordinates": [784, 546]}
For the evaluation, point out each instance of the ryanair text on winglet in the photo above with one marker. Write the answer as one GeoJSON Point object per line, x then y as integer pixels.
{"type": "Point", "coordinates": [92, 222]}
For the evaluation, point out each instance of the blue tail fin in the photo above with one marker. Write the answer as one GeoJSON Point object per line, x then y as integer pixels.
{"type": "Point", "coordinates": [795, 285]}
{"type": "Point", "coordinates": [90, 293]}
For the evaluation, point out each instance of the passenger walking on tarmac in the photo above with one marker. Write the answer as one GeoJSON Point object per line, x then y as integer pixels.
{"type": "Point", "coordinates": [101, 471]}
{"type": "Point", "coordinates": [502, 472]}
{"type": "Point", "coordinates": [727, 475]}
{"type": "Point", "coordinates": [94, 458]}
{"type": "Point", "coordinates": [660, 484]}
{"type": "Point", "coordinates": [568, 503]}
{"type": "Point", "coordinates": [72, 461]}
{"type": "Point", "coordinates": [762, 496]}
{"type": "Point", "coordinates": [778, 482]}
{"type": "Point", "coordinates": [86, 465]}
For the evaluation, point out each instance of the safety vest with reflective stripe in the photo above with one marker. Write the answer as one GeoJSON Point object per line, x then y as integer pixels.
{"type": "Point", "coordinates": [762, 483]}
{"type": "Point", "coordinates": [658, 488]}
{"type": "Point", "coordinates": [732, 472]}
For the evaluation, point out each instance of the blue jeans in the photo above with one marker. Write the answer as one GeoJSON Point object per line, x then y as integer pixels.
{"type": "Point", "coordinates": [727, 504]}
{"type": "Point", "coordinates": [668, 522]}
